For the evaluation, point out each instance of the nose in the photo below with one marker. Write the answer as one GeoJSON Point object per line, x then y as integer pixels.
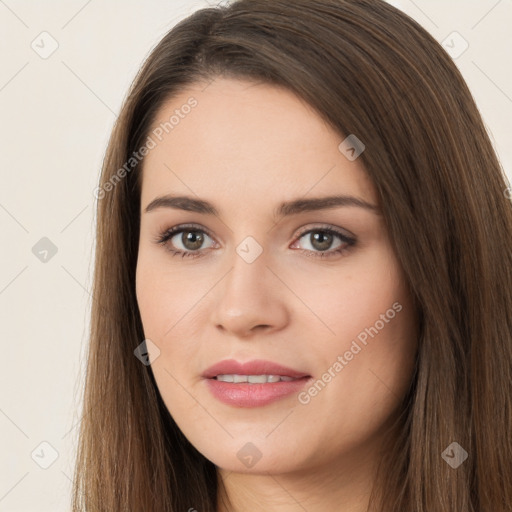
{"type": "Point", "coordinates": [250, 299]}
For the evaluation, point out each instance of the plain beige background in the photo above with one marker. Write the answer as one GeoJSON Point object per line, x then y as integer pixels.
{"type": "Point", "coordinates": [57, 112]}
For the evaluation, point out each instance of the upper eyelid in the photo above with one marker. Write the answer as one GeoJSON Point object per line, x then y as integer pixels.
{"type": "Point", "coordinates": [326, 227]}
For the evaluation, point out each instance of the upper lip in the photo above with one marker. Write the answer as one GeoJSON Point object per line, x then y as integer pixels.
{"type": "Point", "coordinates": [254, 367]}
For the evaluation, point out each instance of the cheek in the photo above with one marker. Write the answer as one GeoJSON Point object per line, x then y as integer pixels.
{"type": "Point", "coordinates": [161, 296]}
{"type": "Point", "coordinates": [369, 355]}
{"type": "Point", "coordinates": [351, 298]}
{"type": "Point", "coordinates": [161, 309]}
{"type": "Point", "coordinates": [149, 298]}
{"type": "Point", "coordinates": [169, 307]}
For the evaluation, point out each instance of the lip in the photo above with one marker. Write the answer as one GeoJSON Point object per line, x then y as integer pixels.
{"type": "Point", "coordinates": [252, 395]}
{"type": "Point", "coordinates": [254, 367]}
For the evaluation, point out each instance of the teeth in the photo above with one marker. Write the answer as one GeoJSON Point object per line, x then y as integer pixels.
{"type": "Point", "coordinates": [253, 379]}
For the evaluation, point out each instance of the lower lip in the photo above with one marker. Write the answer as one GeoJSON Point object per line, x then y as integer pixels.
{"type": "Point", "coordinates": [254, 395]}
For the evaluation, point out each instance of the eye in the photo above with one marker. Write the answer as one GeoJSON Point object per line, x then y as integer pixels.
{"type": "Point", "coordinates": [320, 239]}
{"type": "Point", "coordinates": [183, 240]}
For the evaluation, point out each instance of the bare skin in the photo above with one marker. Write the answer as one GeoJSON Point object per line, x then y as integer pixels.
{"type": "Point", "coordinates": [246, 148]}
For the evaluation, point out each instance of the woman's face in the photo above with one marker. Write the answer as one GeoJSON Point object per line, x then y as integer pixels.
{"type": "Point", "coordinates": [312, 288]}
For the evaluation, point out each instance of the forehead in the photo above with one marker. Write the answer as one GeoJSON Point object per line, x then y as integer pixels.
{"type": "Point", "coordinates": [248, 143]}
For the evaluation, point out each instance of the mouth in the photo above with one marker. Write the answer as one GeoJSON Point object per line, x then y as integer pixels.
{"type": "Point", "coordinates": [253, 384]}
{"type": "Point", "coordinates": [255, 379]}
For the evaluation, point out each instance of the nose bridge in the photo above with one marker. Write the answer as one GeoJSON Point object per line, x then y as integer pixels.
{"type": "Point", "coordinates": [251, 253]}
{"type": "Point", "coordinates": [246, 282]}
{"type": "Point", "coordinates": [249, 297]}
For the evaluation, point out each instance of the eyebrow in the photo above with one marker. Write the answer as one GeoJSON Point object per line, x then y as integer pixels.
{"type": "Point", "coordinates": [287, 208]}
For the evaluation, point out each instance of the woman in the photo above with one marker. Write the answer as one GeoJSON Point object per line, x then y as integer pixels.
{"type": "Point", "coordinates": [303, 275]}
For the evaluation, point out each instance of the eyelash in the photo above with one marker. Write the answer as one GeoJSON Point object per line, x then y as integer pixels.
{"type": "Point", "coordinates": [167, 234]}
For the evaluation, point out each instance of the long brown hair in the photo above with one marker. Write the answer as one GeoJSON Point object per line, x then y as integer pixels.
{"type": "Point", "coordinates": [370, 70]}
